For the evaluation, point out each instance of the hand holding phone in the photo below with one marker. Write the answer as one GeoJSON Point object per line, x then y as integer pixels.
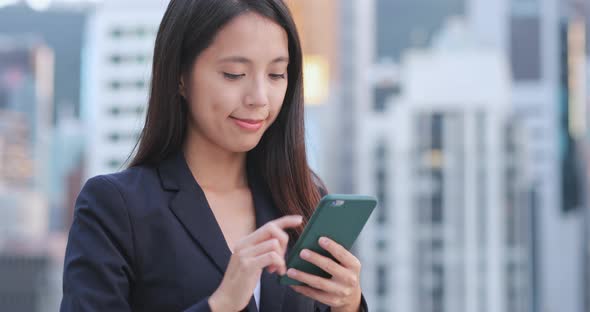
{"type": "Point", "coordinates": [337, 217]}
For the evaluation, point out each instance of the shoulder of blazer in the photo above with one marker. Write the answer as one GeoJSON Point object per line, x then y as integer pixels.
{"type": "Point", "coordinates": [133, 179]}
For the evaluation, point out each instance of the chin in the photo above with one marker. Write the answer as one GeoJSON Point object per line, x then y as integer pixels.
{"type": "Point", "coordinates": [243, 146]}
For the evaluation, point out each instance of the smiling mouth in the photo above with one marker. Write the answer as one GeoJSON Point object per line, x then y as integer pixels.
{"type": "Point", "coordinates": [250, 121]}
{"type": "Point", "coordinates": [248, 124]}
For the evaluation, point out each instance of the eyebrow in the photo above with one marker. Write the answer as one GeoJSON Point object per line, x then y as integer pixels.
{"type": "Point", "coordinates": [241, 59]}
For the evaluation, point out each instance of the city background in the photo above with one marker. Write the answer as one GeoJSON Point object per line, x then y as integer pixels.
{"type": "Point", "coordinates": [468, 119]}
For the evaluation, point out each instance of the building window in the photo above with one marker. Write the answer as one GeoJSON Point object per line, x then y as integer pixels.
{"type": "Point", "coordinates": [115, 111]}
{"type": "Point", "coordinates": [381, 280]}
{"type": "Point", "coordinates": [115, 85]}
{"type": "Point", "coordinates": [116, 59]}
{"type": "Point", "coordinates": [139, 84]}
{"type": "Point", "coordinates": [139, 110]}
{"type": "Point", "coordinates": [141, 59]}
{"type": "Point", "coordinates": [436, 165]}
{"type": "Point", "coordinates": [114, 137]}
{"type": "Point", "coordinates": [437, 131]}
{"type": "Point", "coordinates": [382, 95]}
{"type": "Point", "coordinates": [482, 185]}
{"type": "Point", "coordinates": [525, 48]}
{"type": "Point", "coordinates": [381, 244]}
{"type": "Point", "coordinates": [437, 198]}
{"type": "Point", "coordinates": [114, 164]}
{"type": "Point", "coordinates": [437, 244]}
{"type": "Point", "coordinates": [116, 33]}
{"type": "Point", "coordinates": [119, 59]}
{"type": "Point", "coordinates": [120, 109]}
{"type": "Point", "coordinates": [381, 181]}
{"type": "Point", "coordinates": [141, 32]}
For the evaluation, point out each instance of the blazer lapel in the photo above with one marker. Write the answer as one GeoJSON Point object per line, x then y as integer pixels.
{"type": "Point", "coordinates": [191, 208]}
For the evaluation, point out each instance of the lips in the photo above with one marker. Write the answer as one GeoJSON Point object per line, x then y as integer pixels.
{"type": "Point", "coordinates": [250, 121]}
{"type": "Point", "coordinates": [248, 124]}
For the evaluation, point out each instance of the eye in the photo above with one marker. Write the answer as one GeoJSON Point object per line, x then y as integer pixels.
{"type": "Point", "coordinates": [233, 76]}
{"type": "Point", "coordinates": [278, 76]}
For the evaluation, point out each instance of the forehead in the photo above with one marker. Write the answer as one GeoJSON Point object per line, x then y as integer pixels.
{"type": "Point", "coordinates": [252, 36]}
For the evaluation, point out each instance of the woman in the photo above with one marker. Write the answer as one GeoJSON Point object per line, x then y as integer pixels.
{"type": "Point", "coordinates": [200, 221]}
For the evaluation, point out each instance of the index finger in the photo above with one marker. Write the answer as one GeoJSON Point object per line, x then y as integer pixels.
{"type": "Point", "coordinates": [289, 221]}
{"type": "Point", "coordinates": [274, 229]}
{"type": "Point", "coordinates": [342, 255]}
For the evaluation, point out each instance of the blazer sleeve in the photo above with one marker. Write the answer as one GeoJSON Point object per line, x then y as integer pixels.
{"type": "Point", "coordinates": [320, 307]}
{"type": "Point", "coordinates": [98, 267]}
{"type": "Point", "coordinates": [99, 261]}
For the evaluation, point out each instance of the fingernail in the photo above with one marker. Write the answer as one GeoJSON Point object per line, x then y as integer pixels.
{"type": "Point", "coordinates": [323, 241]}
{"type": "Point", "coordinates": [304, 253]}
{"type": "Point", "coordinates": [291, 272]}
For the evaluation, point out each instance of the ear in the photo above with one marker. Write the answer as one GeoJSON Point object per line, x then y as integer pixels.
{"type": "Point", "coordinates": [181, 87]}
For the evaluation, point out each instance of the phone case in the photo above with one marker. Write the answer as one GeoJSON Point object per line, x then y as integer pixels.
{"type": "Point", "coordinates": [337, 216]}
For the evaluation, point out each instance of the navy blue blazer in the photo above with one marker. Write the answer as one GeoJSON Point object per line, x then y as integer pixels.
{"type": "Point", "coordinates": [145, 239]}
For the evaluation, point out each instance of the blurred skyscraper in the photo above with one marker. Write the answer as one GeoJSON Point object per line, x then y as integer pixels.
{"type": "Point", "coordinates": [27, 289]}
{"type": "Point", "coordinates": [26, 90]}
{"type": "Point", "coordinates": [332, 42]}
{"type": "Point", "coordinates": [117, 60]}
{"type": "Point", "coordinates": [317, 23]}
{"type": "Point", "coordinates": [535, 37]}
{"type": "Point", "coordinates": [530, 33]}
{"type": "Point", "coordinates": [26, 87]}
{"type": "Point", "coordinates": [403, 24]}
{"type": "Point", "coordinates": [586, 248]}
{"type": "Point", "coordinates": [540, 38]}
{"type": "Point", "coordinates": [538, 41]}
{"type": "Point", "coordinates": [31, 274]}
{"type": "Point", "coordinates": [451, 231]}
{"type": "Point", "coordinates": [60, 29]}
{"type": "Point", "coordinates": [67, 161]}
{"type": "Point", "coordinates": [26, 96]}
{"type": "Point", "coordinates": [586, 188]}
{"type": "Point", "coordinates": [338, 120]}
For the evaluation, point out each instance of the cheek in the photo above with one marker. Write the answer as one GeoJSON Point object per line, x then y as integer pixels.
{"type": "Point", "coordinates": [213, 101]}
{"type": "Point", "coordinates": [276, 102]}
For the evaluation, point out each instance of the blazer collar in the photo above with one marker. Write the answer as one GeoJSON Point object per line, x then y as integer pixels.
{"type": "Point", "coordinates": [192, 209]}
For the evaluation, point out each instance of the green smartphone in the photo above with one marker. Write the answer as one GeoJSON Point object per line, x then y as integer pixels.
{"type": "Point", "coordinates": [338, 217]}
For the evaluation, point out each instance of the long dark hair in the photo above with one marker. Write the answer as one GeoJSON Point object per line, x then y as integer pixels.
{"type": "Point", "coordinates": [187, 28]}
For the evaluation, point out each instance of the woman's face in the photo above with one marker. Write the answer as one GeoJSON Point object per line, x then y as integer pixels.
{"type": "Point", "coordinates": [237, 85]}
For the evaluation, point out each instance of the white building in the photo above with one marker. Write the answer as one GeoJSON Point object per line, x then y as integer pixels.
{"type": "Point", "coordinates": [449, 233]}
{"type": "Point", "coordinates": [532, 34]}
{"type": "Point", "coordinates": [116, 71]}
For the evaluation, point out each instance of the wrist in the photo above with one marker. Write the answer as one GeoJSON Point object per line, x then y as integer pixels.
{"type": "Point", "coordinates": [355, 307]}
{"type": "Point", "coordinates": [346, 309]}
{"type": "Point", "coordinates": [218, 303]}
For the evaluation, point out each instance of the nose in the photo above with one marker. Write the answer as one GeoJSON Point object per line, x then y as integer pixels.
{"type": "Point", "coordinates": [257, 93]}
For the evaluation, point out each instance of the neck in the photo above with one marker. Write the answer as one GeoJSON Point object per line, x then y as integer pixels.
{"type": "Point", "coordinates": [214, 168]}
